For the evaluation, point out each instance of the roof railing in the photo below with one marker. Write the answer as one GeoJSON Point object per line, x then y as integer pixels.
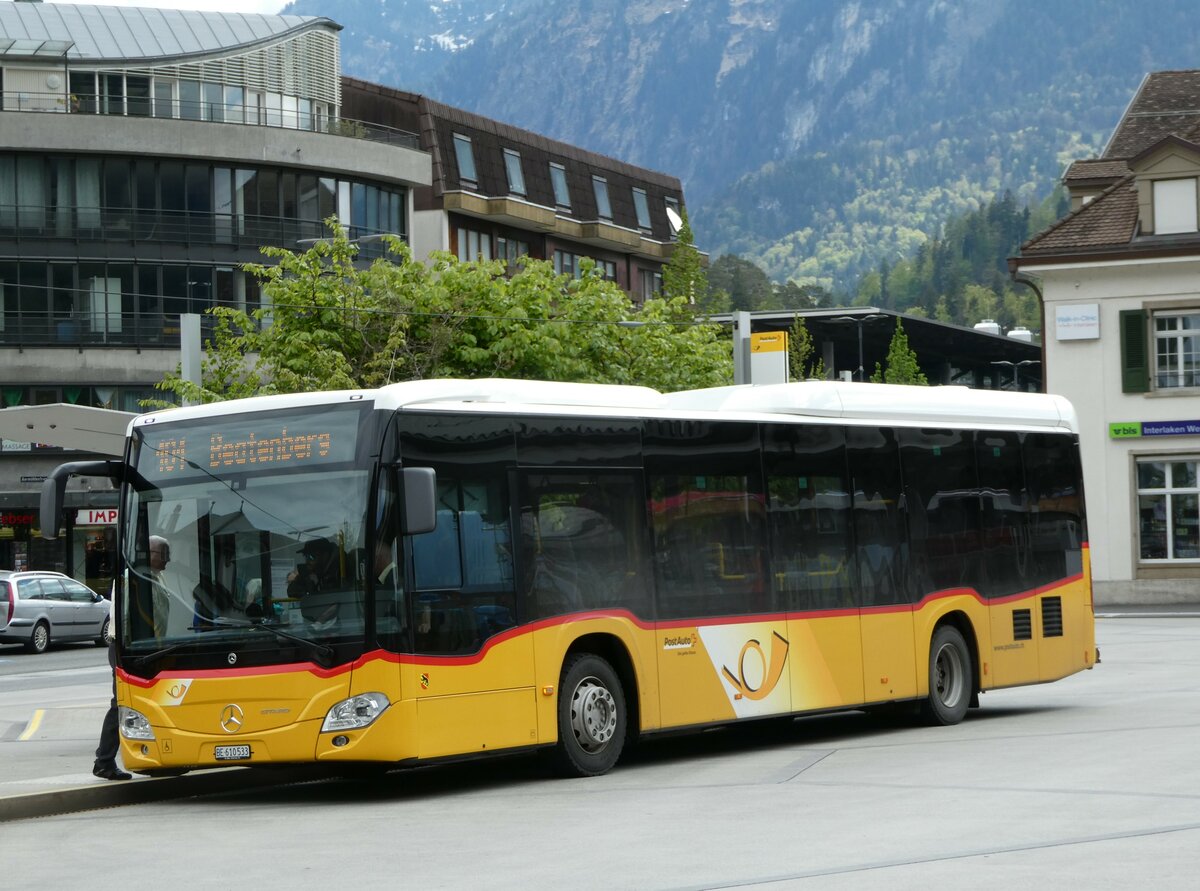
{"type": "Point", "coordinates": [208, 112]}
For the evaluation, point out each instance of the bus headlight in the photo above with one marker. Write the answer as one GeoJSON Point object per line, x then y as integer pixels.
{"type": "Point", "coordinates": [355, 712]}
{"type": "Point", "coordinates": [133, 724]}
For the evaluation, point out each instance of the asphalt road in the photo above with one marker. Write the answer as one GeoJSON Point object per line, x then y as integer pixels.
{"type": "Point", "coordinates": [1091, 782]}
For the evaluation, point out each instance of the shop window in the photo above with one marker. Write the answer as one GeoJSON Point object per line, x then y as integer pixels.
{"type": "Point", "coordinates": [1168, 509]}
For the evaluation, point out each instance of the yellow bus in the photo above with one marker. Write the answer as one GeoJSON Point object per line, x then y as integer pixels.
{"type": "Point", "coordinates": [447, 568]}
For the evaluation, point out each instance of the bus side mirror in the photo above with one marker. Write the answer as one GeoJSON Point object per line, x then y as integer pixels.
{"type": "Point", "coordinates": [54, 489]}
{"type": "Point", "coordinates": [420, 501]}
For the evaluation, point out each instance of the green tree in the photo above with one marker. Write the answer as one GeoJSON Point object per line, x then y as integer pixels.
{"type": "Point", "coordinates": [326, 323]}
{"type": "Point", "coordinates": [746, 285]}
{"type": "Point", "coordinates": [902, 367]}
{"type": "Point", "coordinates": [800, 353]}
{"type": "Point", "coordinates": [683, 274]}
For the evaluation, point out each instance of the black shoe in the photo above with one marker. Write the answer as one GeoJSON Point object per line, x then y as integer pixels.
{"type": "Point", "coordinates": [110, 772]}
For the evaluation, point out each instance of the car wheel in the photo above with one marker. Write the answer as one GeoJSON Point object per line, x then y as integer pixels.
{"type": "Point", "coordinates": [39, 641]}
{"type": "Point", "coordinates": [102, 640]}
{"type": "Point", "coordinates": [591, 717]}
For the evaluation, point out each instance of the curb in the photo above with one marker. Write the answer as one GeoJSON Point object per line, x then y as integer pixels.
{"type": "Point", "coordinates": [116, 793]}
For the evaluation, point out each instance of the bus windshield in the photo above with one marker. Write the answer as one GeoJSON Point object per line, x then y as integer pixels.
{"type": "Point", "coordinates": [240, 524]}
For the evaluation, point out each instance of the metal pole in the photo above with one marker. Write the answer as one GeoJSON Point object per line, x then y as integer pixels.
{"type": "Point", "coordinates": [189, 349]}
{"type": "Point", "coordinates": [741, 348]}
{"type": "Point", "coordinates": [859, 322]}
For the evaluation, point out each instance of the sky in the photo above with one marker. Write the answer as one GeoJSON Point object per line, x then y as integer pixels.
{"type": "Point", "coordinates": [271, 6]}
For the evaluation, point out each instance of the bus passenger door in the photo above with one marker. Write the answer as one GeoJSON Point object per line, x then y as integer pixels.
{"type": "Point", "coordinates": [473, 682]}
{"type": "Point", "coordinates": [884, 589]}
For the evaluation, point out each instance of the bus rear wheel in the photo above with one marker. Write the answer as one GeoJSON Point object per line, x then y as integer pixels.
{"type": "Point", "coordinates": [950, 677]}
{"type": "Point", "coordinates": [591, 717]}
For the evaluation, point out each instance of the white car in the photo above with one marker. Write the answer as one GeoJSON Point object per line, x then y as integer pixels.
{"type": "Point", "coordinates": [39, 607]}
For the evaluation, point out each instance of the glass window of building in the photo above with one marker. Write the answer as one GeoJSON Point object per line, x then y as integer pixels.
{"type": "Point", "coordinates": [1168, 509]}
{"type": "Point", "coordinates": [674, 219]}
{"type": "Point", "coordinates": [1177, 349]}
{"type": "Point", "coordinates": [603, 207]}
{"type": "Point", "coordinates": [1174, 206]}
{"type": "Point", "coordinates": [558, 178]}
{"type": "Point", "coordinates": [465, 157]}
{"type": "Point", "coordinates": [512, 166]}
{"type": "Point", "coordinates": [164, 98]}
{"type": "Point", "coordinates": [189, 100]}
{"type": "Point", "coordinates": [652, 283]}
{"type": "Point", "coordinates": [473, 245]}
{"type": "Point", "coordinates": [137, 91]}
{"type": "Point", "coordinates": [642, 207]}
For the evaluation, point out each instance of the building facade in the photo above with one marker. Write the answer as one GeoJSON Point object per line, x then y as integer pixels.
{"type": "Point", "coordinates": [145, 155]}
{"type": "Point", "coordinates": [1120, 278]}
{"type": "Point", "coordinates": [499, 192]}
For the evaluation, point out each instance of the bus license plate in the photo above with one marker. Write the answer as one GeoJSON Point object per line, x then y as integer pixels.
{"type": "Point", "coordinates": [231, 753]}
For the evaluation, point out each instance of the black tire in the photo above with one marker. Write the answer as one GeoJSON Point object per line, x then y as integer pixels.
{"type": "Point", "coordinates": [592, 720]}
{"type": "Point", "coordinates": [102, 640]}
{"type": "Point", "coordinates": [39, 640]}
{"type": "Point", "coordinates": [951, 677]}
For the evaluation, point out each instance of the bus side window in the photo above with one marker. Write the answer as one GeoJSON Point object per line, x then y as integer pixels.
{"type": "Point", "coordinates": [582, 537]}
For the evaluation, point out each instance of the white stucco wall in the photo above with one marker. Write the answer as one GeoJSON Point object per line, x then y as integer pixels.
{"type": "Point", "coordinates": [1088, 373]}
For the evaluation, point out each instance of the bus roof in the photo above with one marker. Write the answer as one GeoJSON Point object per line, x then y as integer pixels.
{"type": "Point", "coordinates": [949, 406]}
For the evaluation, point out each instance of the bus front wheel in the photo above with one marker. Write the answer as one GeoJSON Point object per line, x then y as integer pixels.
{"type": "Point", "coordinates": [950, 677]}
{"type": "Point", "coordinates": [591, 717]}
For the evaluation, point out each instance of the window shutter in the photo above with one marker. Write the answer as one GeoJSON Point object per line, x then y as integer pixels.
{"type": "Point", "coordinates": [1135, 359]}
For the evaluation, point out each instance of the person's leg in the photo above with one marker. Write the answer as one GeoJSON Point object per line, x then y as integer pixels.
{"type": "Point", "coordinates": [110, 739]}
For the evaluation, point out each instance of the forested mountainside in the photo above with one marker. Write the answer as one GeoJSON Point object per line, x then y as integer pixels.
{"type": "Point", "coordinates": [814, 137]}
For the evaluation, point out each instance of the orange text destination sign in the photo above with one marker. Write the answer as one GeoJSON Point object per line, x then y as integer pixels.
{"type": "Point", "coordinates": [249, 443]}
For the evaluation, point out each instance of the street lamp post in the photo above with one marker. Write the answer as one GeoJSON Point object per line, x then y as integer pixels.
{"type": "Point", "coordinates": [860, 320]}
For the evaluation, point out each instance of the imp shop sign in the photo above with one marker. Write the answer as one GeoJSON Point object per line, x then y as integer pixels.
{"type": "Point", "coordinates": [106, 516]}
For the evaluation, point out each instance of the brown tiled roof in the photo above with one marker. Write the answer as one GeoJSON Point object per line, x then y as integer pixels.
{"type": "Point", "coordinates": [1167, 103]}
{"type": "Point", "coordinates": [1108, 221]}
{"type": "Point", "coordinates": [1095, 169]}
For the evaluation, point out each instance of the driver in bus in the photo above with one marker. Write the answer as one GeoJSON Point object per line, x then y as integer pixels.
{"type": "Point", "coordinates": [317, 573]}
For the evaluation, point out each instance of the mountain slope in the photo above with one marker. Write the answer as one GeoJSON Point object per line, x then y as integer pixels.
{"type": "Point", "coordinates": [814, 136]}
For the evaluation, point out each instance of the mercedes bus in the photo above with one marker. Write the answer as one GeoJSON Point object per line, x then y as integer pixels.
{"type": "Point", "coordinates": [447, 568]}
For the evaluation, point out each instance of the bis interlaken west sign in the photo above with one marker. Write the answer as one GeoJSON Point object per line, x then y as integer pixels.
{"type": "Point", "coordinates": [1135, 429]}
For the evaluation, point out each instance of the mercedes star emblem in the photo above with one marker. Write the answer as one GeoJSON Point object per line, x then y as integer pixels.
{"type": "Point", "coordinates": [231, 719]}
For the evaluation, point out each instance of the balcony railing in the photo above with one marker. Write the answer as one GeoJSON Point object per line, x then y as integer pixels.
{"type": "Point", "coordinates": [32, 328]}
{"type": "Point", "coordinates": [22, 222]}
{"type": "Point", "coordinates": [210, 112]}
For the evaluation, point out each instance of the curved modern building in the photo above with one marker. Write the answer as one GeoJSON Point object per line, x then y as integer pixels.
{"type": "Point", "coordinates": [144, 155]}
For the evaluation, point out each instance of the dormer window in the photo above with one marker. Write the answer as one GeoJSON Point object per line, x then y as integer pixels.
{"type": "Point", "coordinates": [516, 178]}
{"type": "Point", "coordinates": [642, 207]}
{"type": "Point", "coordinates": [603, 208]}
{"type": "Point", "coordinates": [558, 177]}
{"type": "Point", "coordinates": [465, 156]}
{"type": "Point", "coordinates": [1174, 206]}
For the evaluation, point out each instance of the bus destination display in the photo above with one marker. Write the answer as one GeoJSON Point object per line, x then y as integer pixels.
{"type": "Point", "coordinates": [258, 443]}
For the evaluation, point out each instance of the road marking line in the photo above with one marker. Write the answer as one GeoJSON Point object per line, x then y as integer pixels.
{"type": "Point", "coordinates": [34, 723]}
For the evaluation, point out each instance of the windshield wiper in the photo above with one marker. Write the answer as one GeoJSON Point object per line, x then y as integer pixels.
{"type": "Point", "coordinates": [158, 654]}
{"type": "Point", "coordinates": [323, 653]}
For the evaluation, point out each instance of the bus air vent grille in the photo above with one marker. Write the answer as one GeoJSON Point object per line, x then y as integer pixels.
{"type": "Point", "coordinates": [1022, 625]}
{"type": "Point", "coordinates": [1052, 617]}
